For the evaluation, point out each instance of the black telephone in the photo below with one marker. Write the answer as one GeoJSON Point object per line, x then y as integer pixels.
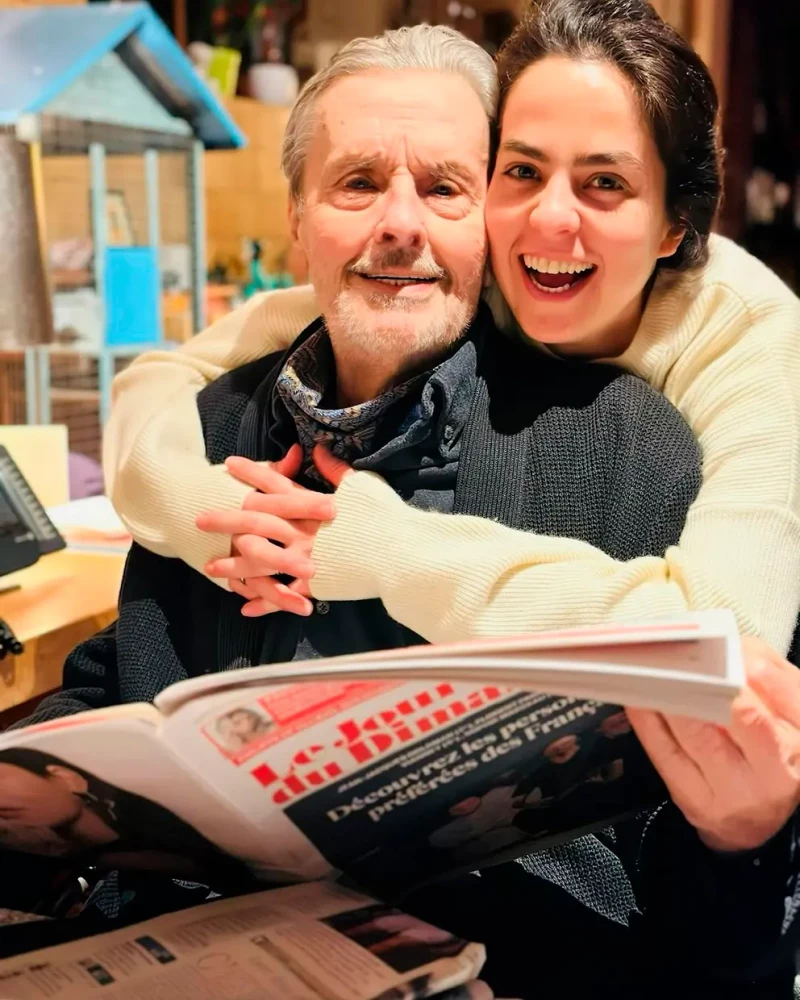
{"type": "Point", "coordinates": [26, 532]}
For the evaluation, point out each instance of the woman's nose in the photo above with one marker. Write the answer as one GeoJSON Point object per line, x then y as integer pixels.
{"type": "Point", "coordinates": [555, 211]}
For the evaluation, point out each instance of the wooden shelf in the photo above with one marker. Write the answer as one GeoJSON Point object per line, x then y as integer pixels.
{"type": "Point", "coordinates": [74, 395]}
{"type": "Point", "coordinates": [64, 280]}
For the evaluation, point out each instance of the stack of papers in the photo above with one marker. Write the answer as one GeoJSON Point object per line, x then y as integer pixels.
{"type": "Point", "coordinates": [91, 525]}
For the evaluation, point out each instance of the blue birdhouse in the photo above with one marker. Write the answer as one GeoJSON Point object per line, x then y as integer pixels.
{"type": "Point", "coordinates": [107, 84]}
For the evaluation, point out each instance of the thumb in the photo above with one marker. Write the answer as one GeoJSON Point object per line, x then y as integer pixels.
{"type": "Point", "coordinates": [332, 468]}
{"type": "Point", "coordinates": [289, 465]}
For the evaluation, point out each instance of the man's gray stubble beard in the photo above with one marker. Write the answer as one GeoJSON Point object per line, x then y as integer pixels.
{"type": "Point", "coordinates": [436, 337]}
{"type": "Point", "coordinates": [437, 334]}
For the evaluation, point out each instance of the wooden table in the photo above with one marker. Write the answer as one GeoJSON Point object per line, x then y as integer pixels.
{"type": "Point", "coordinates": [62, 599]}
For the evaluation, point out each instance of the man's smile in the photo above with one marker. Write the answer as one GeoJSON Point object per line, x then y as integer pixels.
{"type": "Point", "coordinates": [397, 279]}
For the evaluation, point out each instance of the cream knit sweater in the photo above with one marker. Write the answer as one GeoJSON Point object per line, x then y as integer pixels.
{"type": "Point", "coordinates": [722, 344]}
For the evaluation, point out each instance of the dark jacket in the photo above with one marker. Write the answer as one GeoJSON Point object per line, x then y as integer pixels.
{"type": "Point", "coordinates": [581, 451]}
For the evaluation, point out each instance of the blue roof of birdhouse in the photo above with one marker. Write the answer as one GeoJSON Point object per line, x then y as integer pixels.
{"type": "Point", "coordinates": [45, 50]}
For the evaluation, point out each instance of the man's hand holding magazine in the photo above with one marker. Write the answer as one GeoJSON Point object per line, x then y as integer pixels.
{"type": "Point", "coordinates": [737, 785]}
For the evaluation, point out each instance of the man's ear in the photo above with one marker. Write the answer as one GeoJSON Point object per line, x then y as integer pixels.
{"type": "Point", "coordinates": [70, 779]}
{"type": "Point", "coordinates": [294, 218]}
{"type": "Point", "coordinates": [672, 240]}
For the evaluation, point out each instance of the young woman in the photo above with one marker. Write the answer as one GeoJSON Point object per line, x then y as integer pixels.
{"type": "Point", "coordinates": [599, 212]}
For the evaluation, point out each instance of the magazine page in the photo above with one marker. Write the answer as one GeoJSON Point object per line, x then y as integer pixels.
{"type": "Point", "coordinates": [103, 790]}
{"type": "Point", "coordinates": [391, 781]}
{"type": "Point", "coordinates": [690, 666]}
{"type": "Point", "coordinates": [311, 942]}
{"type": "Point", "coordinates": [394, 784]}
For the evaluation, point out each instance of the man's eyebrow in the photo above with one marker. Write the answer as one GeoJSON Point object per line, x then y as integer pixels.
{"type": "Point", "coordinates": [611, 159]}
{"type": "Point", "coordinates": [440, 170]}
{"type": "Point", "coordinates": [445, 169]}
{"type": "Point", "coordinates": [352, 161]}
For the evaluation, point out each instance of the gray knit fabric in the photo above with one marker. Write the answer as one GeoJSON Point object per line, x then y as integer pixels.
{"type": "Point", "coordinates": [591, 873]}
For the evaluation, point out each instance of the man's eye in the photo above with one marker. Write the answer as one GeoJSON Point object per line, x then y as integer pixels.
{"type": "Point", "coordinates": [443, 190]}
{"type": "Point", "coordinates": [359, 184]}
{"type": "Point", "coordinates": [604, 182]}
{"type": "Point", "coordinates": [523, 172]}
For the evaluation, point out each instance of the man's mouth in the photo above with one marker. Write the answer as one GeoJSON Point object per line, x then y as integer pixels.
{"type": "Point", "coordinates": [398, 279]}
{"type": "Point", "coordinates": [555, 277]}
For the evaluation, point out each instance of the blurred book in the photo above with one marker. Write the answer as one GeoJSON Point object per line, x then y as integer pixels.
{"type": "Point", "coordinates": [91, 525]}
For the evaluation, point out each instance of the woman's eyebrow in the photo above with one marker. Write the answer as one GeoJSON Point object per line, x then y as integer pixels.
{"type": "Point", "coordinates": [615, 158]}
{"type": "Point", "coordinates": [518, 146]}
{"type": "Point", "coordinates": [618, 158]}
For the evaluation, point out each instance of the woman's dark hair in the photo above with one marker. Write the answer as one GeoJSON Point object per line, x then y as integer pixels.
{"type": "Point", "coordinates": [146, 824]}
{"type": "Point", "coordinates": [38, 762]}
{"type": "Point", "coordinates": [675, 90]}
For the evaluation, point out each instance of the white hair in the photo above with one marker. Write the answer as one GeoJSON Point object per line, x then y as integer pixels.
{"type": "Point", "coordinates": [422, 47]}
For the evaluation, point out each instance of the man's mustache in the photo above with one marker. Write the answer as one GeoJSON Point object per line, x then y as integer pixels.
{"type": "Point", "coordinates": [419, 264]}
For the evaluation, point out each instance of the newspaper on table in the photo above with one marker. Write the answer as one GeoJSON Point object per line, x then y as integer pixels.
{"type": "Point", "coordinates": [305, 942]}
{"type": "Point", "coordinates": [392, 768]}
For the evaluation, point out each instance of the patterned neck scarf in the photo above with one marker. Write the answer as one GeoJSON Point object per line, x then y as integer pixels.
{"type": "Point", "coordinates": [348, 432]}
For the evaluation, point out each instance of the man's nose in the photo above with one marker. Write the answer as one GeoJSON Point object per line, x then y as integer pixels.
{"type": "Point", "coordinates": [555, 211]}
{"type": "Point", "coordinates": [401, 224]}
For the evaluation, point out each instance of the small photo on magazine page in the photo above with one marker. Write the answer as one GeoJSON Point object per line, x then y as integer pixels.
{"type": "Point", "coordinates": [240, 731]}
{"type": "Point", "coordinates": [403, 942]}
{"type": "Point", "coordinates": [569, 786]}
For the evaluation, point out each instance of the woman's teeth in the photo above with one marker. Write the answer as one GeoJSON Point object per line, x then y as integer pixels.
{"type": "Point", "coordinates": [551, 290]}
{"type": "Point", "coordinates": [546, 274]}
{"type": "Point", "coordinates": [545, 266]}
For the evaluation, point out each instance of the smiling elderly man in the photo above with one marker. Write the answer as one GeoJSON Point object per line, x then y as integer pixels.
{"type": "Point", "coordinates": [387, 151]}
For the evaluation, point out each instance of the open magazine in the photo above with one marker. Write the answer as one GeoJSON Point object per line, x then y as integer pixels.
{"type": "Point", "coordinates": [392, 768]}
{"type": "Point", "coordinates": [302, 942]}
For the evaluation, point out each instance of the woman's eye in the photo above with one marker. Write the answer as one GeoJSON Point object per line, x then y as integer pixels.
{"type": "Point", "coordinates": [523, 172]}
{"type": "Point", "coordinates": [603, 182]}
{"type": "Point", "coordinates": [358, 184]}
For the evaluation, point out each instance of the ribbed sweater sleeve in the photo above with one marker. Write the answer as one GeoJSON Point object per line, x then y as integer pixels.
{"type": "Point", "coordinates": [723, 347]}
{"type": "Point", "coordinates": [154, 460]}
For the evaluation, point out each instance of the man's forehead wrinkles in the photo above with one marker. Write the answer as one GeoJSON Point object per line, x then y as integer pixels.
{"type": "Point", "coordinates": [402, 155]}
{"type": "Point", "coordinates": [439, 161]}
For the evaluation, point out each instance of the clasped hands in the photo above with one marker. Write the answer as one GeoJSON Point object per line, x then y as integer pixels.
{"type": "Point", "coordinates": [738, 785]}
{"type": "Point", "coordinates": [273, 532]}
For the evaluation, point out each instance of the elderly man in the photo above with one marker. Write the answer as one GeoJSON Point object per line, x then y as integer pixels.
{"type": "Point", "coordinates": [404, 375]}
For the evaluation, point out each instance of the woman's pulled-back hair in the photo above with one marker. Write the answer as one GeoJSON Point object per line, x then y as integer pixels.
{"type": "Point", "coordinates": [673, 85]}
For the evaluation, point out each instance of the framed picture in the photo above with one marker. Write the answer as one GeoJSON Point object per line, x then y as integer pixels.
{"type": "Point", "coordinates": [119, 228]}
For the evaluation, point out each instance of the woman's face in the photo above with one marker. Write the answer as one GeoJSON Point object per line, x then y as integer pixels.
{"type": "Point", "coordinates": [35, 800]}
{"type": "Point", "coordinates": [575, 210]}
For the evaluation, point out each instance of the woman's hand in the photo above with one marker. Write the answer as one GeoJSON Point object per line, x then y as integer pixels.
{"type": "Point", "coordinates": [737, 785]}
{"type": "Point", "coordinates": [476, 989]}
{"type": "Point", "coordinates": [278, 510]}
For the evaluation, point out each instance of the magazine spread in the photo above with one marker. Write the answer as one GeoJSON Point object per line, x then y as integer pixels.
{"type": "Point", "coordinates": [306, 942]}
{"type": "Point", "coordinates": [392, 768]}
